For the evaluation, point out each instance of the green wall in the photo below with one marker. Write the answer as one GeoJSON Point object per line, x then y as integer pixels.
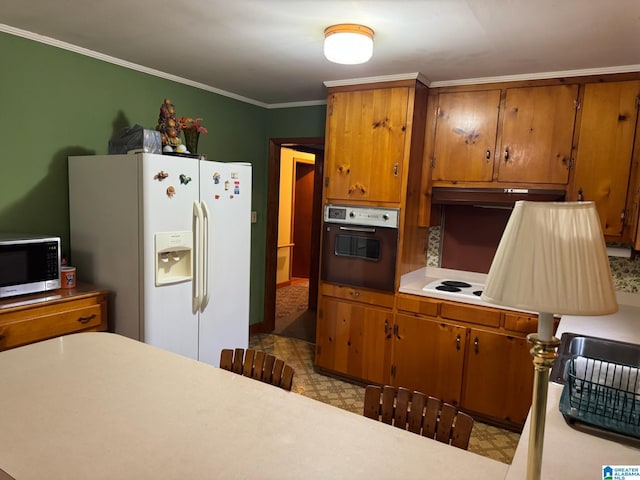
{"type": "Point", "coordinates": [55, 103]}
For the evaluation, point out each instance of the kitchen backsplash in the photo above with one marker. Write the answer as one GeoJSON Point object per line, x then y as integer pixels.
{"type": "Point", "coordinates": [625, 271]}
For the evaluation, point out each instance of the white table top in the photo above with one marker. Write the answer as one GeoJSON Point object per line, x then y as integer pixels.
{"type": "Point", "coordinates": [98, 405]}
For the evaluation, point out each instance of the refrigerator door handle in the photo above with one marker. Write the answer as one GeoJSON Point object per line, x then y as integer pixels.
{"type": "Point", "coordinates": [204, 301]}
{"type": "Point", "coordinates": [196, 229]}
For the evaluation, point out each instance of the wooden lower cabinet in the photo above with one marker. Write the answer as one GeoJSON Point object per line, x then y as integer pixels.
{"type": "Point", "coordinates": [32, 318]}
{"type": "Point", "coordinates": [354, 339]}
{"type": "Point", "coordinates": [498, 376]}
{"type": "Point", "coordinates": [428, 356]}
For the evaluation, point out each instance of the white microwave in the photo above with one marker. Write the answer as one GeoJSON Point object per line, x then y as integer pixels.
{"type": "Point", "coordinates": [28, 264]}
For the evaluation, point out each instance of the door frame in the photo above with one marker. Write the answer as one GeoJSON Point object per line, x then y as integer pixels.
{"type": "Point", "coordinates": [304, 144]}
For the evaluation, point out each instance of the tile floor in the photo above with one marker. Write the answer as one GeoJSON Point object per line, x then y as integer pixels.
{"type": "Point", "coordinates": [485, 440]}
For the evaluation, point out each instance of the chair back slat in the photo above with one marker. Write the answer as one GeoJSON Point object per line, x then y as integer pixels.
{"type": "Point", "coordinates": [259, 366]}
{"type": "Point", "coordinates": [403, 400]}
{"type": "Point", "coordinates": [462, 431]}
{"type": "Point", "coordinates": [388, 400]}
{"type": "Point", "coordinates": [276, 376]}
{"type": "Point", "coordinates": [430, 422]}
{"type": "Point", "coordinates": [445, 423]}
{"type": "Point", "coordinates": [372, 401]}
{"type": "Point", "coordinates": [238, 360]}
{"type": "Point", "coordinates": [247, 367]}
{"type": "Point", "coordinates": [418, 413]}
{"type": "Point", "coordinates": [226, 359]}
{"type": "Point", "coordinates": [286, 381]}
{"type": "Point", "coordinates": [267, 371]}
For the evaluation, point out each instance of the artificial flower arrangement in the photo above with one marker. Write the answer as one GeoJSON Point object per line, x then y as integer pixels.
{"type": "Point", "coordinates": [188, 123]}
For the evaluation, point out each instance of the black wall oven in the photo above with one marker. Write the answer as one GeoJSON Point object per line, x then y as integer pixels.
{"type": "Point", "coordinates": [359, 246]}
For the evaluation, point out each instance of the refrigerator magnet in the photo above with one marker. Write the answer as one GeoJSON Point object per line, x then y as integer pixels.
{"type": "Point", "coordinates": [161, 175]}
{"type": "Point", "coordinates": [234, 174]}
{"type": "Point", "coordinates": [216, 196]}
{"type": "Point", "coordinates": [216, 178]}
{"type": "Point", "coordinates": [227, 185]}
{"type": "Point", "coordinates": [171, 191]}
{"type": "Point", "coordinates": [184, 179]}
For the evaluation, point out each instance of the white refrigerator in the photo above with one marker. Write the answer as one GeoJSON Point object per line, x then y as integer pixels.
{"type": "Point", "coordinates": [170, 237]}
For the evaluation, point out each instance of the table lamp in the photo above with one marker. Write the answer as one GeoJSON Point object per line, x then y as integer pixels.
{"type": "Point", "coordinates": [551, 259]}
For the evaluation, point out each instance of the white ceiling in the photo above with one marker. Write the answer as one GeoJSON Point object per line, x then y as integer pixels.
{"type": "Point", "coordinates": [270, 51]}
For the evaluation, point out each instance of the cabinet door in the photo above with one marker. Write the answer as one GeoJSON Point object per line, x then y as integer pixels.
{"type": "Point", "coordinates": [498, 376]}
{"type": "Point", "coordinates": [354, 339]}
{"type": "Point", "coordinates": [365, 144]}
{"type": "Point", "coordinates": [537, 134]}
{"type": "Point", "coordinates": [428, 355]}
{"type": "Point", "coordinates": [605, 147]}
{"type": "Point", "coordinates": [466, 136]}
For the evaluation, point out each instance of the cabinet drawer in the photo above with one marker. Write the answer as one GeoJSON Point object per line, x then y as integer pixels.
{"type": "Point", "coordinates": [471, 314]}
{"type": "Point", "coordinates": [416, 304]}
{"type": "Point", "coordinates": [520, 322]}
{"type": "Point", "coordinates": [51, 325]}
{"type": "Point", "coordinates": [361, 295]}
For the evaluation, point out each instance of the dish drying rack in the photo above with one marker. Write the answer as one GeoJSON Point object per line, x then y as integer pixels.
{"type": "Point", "coordinates": [603, 394]}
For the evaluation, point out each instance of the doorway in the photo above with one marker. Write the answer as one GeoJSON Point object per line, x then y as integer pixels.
{"type": "Point", "coordinates": [313, 145]}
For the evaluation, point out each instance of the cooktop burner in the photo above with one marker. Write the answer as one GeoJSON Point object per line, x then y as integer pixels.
{"type": "Point", "coordinates": [455, 288]}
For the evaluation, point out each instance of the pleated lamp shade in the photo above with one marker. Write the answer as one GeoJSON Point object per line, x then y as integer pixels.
{"type": "Point", "coordinates": [552, 258]}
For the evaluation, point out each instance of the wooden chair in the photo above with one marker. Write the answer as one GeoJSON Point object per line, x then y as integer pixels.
{"type": "Point", "coordinates": [258, 365]}
{"type": "Point", "coordinates": [418, 413]}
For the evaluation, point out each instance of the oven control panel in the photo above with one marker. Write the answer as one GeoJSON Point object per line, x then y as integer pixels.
{"type": "Point", "coordinates": [366, 216]}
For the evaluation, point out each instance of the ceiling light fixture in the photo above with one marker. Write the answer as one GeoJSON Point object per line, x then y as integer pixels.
{"type": "Point", "coordinates": [348, 43]}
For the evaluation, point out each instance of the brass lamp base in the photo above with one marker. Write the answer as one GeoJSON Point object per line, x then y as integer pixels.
{"type": "Point", "coordinates": [544, 353]}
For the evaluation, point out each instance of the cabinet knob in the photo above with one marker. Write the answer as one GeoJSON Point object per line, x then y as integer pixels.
{"type": "Point", "coordinates": [487, 155]}
{"type": "Point", "coordinates": [506, 153]}
{"type": "Point", "coordinates": [396, 167]}
{"type": "Point", "coordinates": [458, 338]}
{"type": "Point", "coordinates": [580, 195]}
{"type": "Point", "coordinates": [476, 343]}
{"type": "Point", "coordinates": [354, 293]}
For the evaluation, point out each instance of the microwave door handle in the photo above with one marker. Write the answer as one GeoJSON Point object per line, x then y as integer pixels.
{"type": "Point", "coordinates": [359, 229]}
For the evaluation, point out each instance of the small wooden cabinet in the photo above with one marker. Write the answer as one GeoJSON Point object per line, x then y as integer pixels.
{"type": "Point", "coordinates": [32, 318]}
{"type": "Point", "coordinates": [353, 338]}
{"type": "Point", "coordinates": [514, 136]}
{"type": "Point", "coordinates": [472, 356]}
{"type": "Point", "coordinates": [605, 150]}
{"type": "Point", "coordinates": [365, 144]}
{"type": "Point", "coordinates": [465, 141]}
{"type": "Point", "coordinates": [428, 356]}
{"type": "Point", "coordinates": [498, 376]}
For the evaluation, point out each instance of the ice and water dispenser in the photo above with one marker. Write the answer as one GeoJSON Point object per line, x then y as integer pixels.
{"type": "Point", "coordinates": [173, 257]}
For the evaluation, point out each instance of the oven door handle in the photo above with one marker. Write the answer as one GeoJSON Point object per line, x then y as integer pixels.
{"type": "Point", "coordinates": [359, 229]}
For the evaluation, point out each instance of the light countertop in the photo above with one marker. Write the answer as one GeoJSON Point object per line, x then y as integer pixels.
{"type": "Point", "coordinates": [102, 406]}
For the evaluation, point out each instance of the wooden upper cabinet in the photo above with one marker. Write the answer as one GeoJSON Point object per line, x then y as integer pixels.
{"type": "Point", "coordinates": [465, 136]}
{"type": "Point", "coordinates": [365, 145]}
{"type": "Point", "coordinates": [605, 149]}
{"type": "Point", "coordinates": [531, 127]}
{"type": "Point", "coordinates": [537, 134]}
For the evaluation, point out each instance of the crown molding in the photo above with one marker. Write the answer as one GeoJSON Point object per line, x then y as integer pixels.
{"type": "Point", "coordinates": [383, 78]}
{"type": "Point", "coordinates": [123, 63]}
{"type": "Point", "coordinates": [536, 76]}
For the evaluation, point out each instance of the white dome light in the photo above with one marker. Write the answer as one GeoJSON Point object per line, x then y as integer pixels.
{"type": "Point", "coordinates": [348, 43]}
